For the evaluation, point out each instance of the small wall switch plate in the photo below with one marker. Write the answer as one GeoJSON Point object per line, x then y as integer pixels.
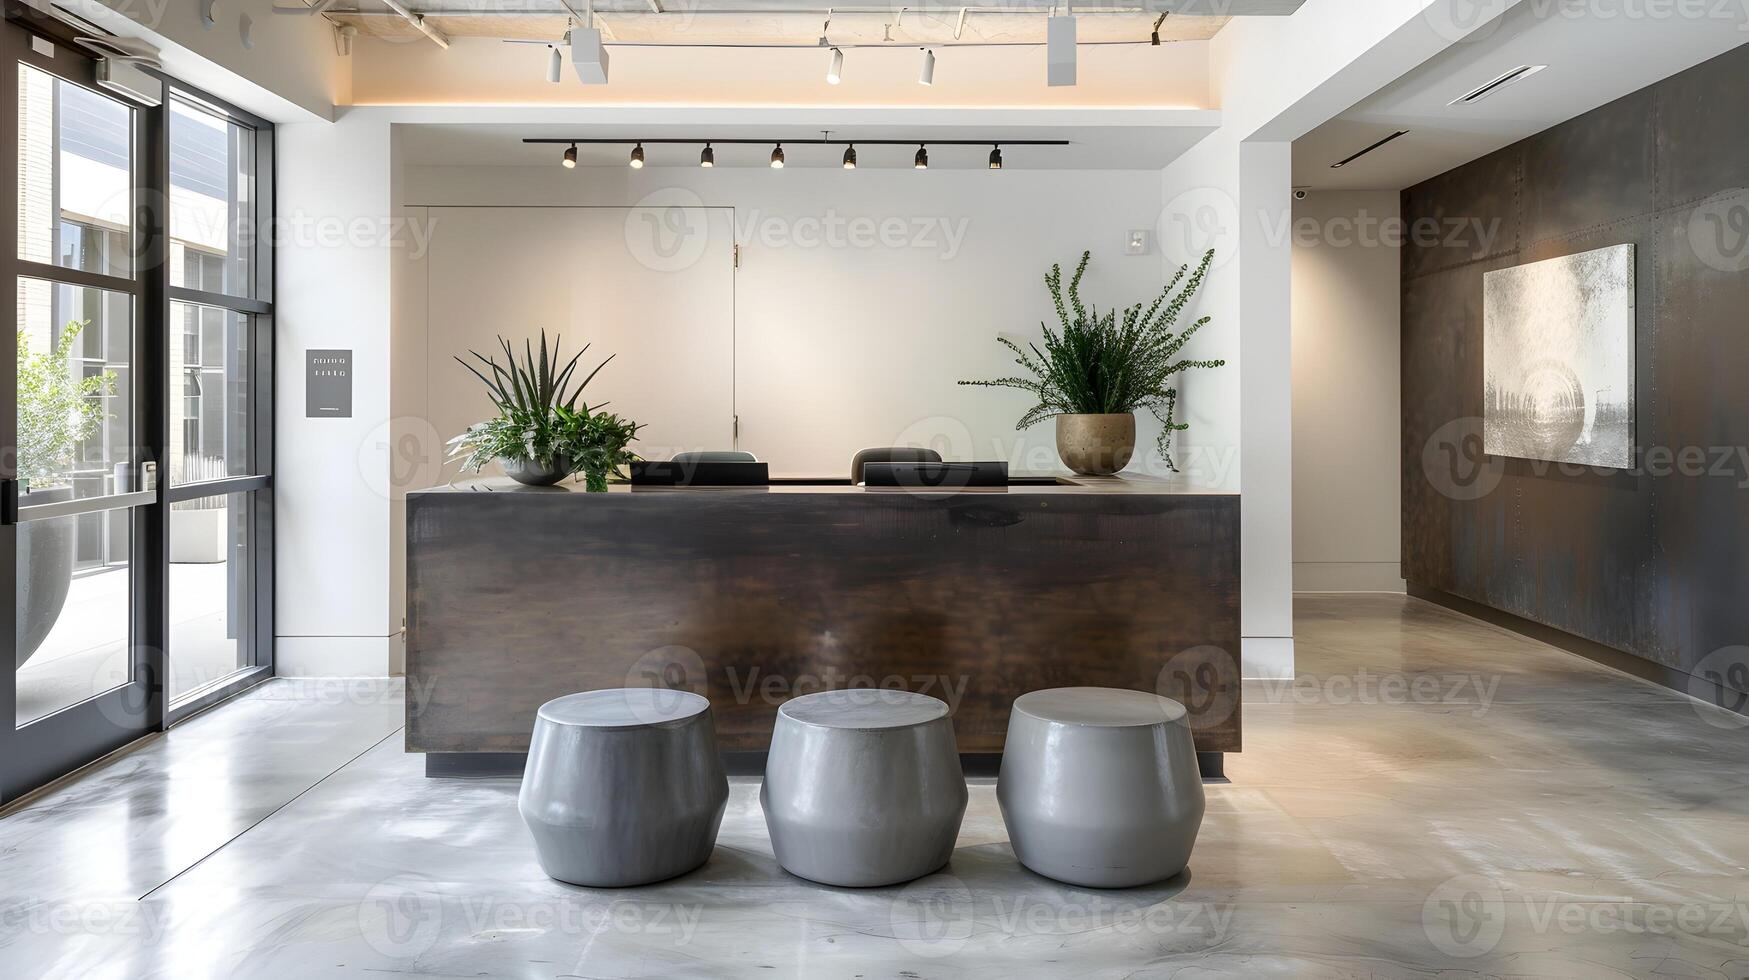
{"type": "Point", "coordinates": [1136, 243]}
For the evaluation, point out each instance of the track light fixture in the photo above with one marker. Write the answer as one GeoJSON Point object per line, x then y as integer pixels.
{"type": "Point", "coordinates": [835, 72]}
{"type": "Point", "coordinates": [926, 74]}
{"type": "Point", "coordinates": [707, 155]}
{"type": "Point", "coordinates": [555, 63]}
{"type": "Point", "coordinates": [1157, 22]}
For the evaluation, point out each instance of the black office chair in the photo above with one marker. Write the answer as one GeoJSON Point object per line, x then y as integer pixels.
{"type": "Point", "coordinates": [890, 454]}
{"type": "Point", "coordinates": [716, 456]}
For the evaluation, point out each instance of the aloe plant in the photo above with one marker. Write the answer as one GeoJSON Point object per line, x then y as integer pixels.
{"type": "Point", "coordinates": [1101, 364]}
{"type": "Point", "coordinates": [541, 416]}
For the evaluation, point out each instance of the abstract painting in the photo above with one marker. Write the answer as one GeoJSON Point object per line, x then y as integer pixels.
{"type": "Point", "coordinates": [1558, 359]}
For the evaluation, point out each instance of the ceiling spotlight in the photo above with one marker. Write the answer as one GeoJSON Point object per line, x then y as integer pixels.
{"type": "Point", "coordinates": [850, 157]}
{"type": "Point", "coordinates": [589, 55]}
{"type": "Point", "coordinates": [777, 157]}
{"type": "Point", "coordinates": [835, 73]}
{"type": "Point", "coordinates": [555, 63]}
{"type": "Point", "coordinates": [1060, 50]}
{"type": "Point", "coordinates": [570, 160]}
{"type": "Point", "coordinates": [638, 157]}
{"type": "Point", "coordinates": [921, 160]}
{"type": "Point", "coordinates": [996, 157]}
{"type": "Point", "coordinates": [707, 157]}
{"type": "Point", "coordinates": [926, 75]}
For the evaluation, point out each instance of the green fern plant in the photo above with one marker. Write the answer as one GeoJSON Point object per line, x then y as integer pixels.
{"type": "Point", "coordinates": [541, 416]}
{"type": "Point", "coordinates": [1111, 363]}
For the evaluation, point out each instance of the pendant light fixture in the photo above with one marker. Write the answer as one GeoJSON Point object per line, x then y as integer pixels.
{"type": "Point", "coordinates": [921, 160]}
{"type": "Point", "coordinates": [638, 157]}
{"type": "Point", "coordinates": [835, 72]}
{"type": "Point", "coordinates": [996, 157]}
{"type": "Point", "coordinates": [570, 160]}
{"type": "Point", "coordinates": [707, 157]}
{"type": "Point", "coordinates": [850, 157]}
{"type": "Point", "coordinates": [777, 157]}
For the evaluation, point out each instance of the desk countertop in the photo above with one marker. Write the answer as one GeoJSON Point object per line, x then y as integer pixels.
{"type": "Point", "coordinates": [1064, 485]}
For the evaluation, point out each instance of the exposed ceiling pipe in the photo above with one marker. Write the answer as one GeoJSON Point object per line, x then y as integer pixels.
{"type": "Point", "coordinates": [814, 46]}
{"type": "Point", "coordinates": [418, 22]}
{"type": "Point", "coordinates": [569, 8]}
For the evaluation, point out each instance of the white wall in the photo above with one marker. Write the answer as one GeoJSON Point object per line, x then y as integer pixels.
{"type": "Point", "coordinates": [862, 297]}
{"type": "Point", "coordinates": [331, 475]}
{"type": "Point", "coordinates": [1347, 514]}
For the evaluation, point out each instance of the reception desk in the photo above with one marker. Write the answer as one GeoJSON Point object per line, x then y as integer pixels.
{"type": "Point", "coordinates": [750, 596]}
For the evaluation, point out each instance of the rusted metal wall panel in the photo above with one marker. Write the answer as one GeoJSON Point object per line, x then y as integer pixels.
{"type": "Point", "coordinates": [1651, 560]}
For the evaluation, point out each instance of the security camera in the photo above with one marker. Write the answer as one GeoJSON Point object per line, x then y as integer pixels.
{"type": "Point", "coordinates": [1299, 194]}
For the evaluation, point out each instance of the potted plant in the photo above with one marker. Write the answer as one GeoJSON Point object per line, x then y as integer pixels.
{"type": "Point", "coordinates": [543, 433]}
{"type": "Point", "coordinates": [1094, 375]}
{"type": "Point", "coordinates": [56, 412]}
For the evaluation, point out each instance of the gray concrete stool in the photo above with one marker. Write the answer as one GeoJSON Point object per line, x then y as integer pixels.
{"type": "Point", "coordinates": [863, 787]}
{"type": "Point", "coordinates": [623, 787]}
{"type": "Point", "coordinates": [1099, 787]}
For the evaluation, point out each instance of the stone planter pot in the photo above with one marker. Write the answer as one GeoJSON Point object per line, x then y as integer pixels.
{"type": "Point", "coordinates": [1096, 445]}
{"type": "Point", "coordinates": [45, 571]}
{"type": "Point", "coordinates": [531, 473]}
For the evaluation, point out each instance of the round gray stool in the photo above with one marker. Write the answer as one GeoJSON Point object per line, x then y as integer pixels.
{"type": "Point", "coordinates": [1100, 787]}
{"type": "Point", "coordinates": [863, 787]}
{"type": "Point", "coordinates": [623, 787]}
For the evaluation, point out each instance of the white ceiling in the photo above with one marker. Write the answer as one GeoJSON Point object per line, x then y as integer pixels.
{"type": "Point", "coordinates": [1592, 61]}
{"type": "Point", "coordinates": [1144, 146]}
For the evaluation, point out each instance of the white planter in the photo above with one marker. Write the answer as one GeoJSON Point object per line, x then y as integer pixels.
{"type": "Point", "coordinates": [199, 536]}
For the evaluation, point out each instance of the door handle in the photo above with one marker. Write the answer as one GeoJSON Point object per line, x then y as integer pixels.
{"type": "Point", "coordinates": [8, 502]}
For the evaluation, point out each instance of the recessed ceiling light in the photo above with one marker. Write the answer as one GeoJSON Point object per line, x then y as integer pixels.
{"type": "Point", "coordinates": [1345, 161]}
{"type": "Point", "coordinates": [1518, 74]}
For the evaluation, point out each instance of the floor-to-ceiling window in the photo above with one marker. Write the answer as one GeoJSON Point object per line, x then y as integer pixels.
{"type": "Point", "coordinates": [135, 427]}
{"type": "Point", "coordinates": [217, 460]}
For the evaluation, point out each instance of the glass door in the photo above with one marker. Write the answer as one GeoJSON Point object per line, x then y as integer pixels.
{"type": "Point", "coordinates": [82, 512]}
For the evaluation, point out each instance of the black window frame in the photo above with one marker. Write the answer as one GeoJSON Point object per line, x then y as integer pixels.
{"type": "Point", "coordinates": [257, 311]}
{"type": "Point", "coordinates": [48, 748]}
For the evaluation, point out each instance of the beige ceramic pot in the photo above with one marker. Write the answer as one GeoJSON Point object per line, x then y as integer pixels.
{"type": "Point", "coordinates": [1096, 445]}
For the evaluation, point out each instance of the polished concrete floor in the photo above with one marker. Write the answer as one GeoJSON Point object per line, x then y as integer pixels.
{"type": "Point", "coordinates": [1431, 797]}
